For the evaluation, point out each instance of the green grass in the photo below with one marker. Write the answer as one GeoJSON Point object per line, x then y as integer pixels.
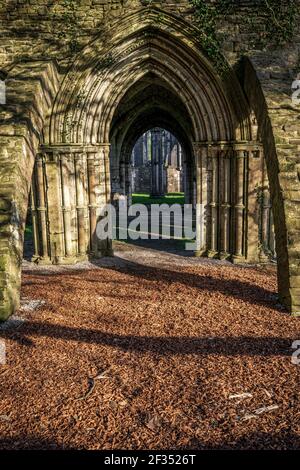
{"type": "Point", "coordinates": [28, 232]}
{"type": "Point", "coordinates": [171, 198]}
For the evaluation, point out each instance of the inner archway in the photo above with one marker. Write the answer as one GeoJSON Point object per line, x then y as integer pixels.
{"type": "Point", "coordinates": [157, 165]}
{"type": "Point", "coordinates": [154, 174]}
{"type": "Point", "coordinates": [149, 119]}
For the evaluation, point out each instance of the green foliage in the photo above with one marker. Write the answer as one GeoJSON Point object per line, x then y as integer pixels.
{"type": "Point", "coordinates": [64, 16]}
{"type": "Point", "coordinates": [28, 232]}
{"type": "Point", "coordinates": [170, 198]}
{"type": "Point", "coordinates": [278, 16]}
{"type": "Point", "coordinates": [206, 17]}
{"type": "Point", "coordinates": [280, 19]}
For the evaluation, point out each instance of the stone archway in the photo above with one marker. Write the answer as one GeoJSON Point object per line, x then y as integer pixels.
{"type": "Point", "coordinates": [154, 59]}
{"type": "Point", "coordinates": [72, 171]}
{"type": "Point", "coordinates": [148, 104]}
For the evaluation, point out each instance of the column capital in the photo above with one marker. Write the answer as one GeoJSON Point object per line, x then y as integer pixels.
{"type": "Point", "coordinates": [103, 150]}
{"type": "Point", "coordinates": [39, 158]}
{"type": "Point", "coordinates": [229, 144]}
{"type": "Point", "coordinates": [73, 148]}
{"type": "Point", "coordinates": [81, 156]}
{"type": "Point", "coordinates": [247, 146]}
{"type": "Point", "coordinates": [241, 153]}
{"type": "Point", "coordinates": [199, 149]}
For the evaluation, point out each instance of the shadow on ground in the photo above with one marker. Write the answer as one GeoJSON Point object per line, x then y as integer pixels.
{"type": "Point", "coordinates": [228, 346]}
{"type": "Point", "coordinates": [284, 440]}
{"type": "Point", "coordinates": [236, 288]}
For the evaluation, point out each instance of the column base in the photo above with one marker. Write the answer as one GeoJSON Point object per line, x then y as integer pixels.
{"type": "Point", "coordinates": [81, 258]}
{"type": "Point", "coordinates": [296, 314]}
{"type": "Point", "coordinates": [103, 251]}
{"type": "Point", "coordinates": [70, 260]}
{"type": "Point", "coordinates": [212, 254]}
{"type": "Point", "coordinates": [41, 260]}
{"type": "Point", "coordinates": [224, 256]}
{"type": "Point", "coordinates": [200, 253]}
{"type": "Point", "coordinates": [6, 310]}
{"type": "Point", "coordinates": [108, 249]}
{"type": "Point", "coordinates": [263, 258]}
{"type": "Point", "coordinates": [101, 254]}
{"type": "Point", "coordinates": [59, 261]}
{"type": "Point", "coordinates": [236, 259]}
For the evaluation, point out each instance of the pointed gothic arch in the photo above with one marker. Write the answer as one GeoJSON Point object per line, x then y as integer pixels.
{"type": "Point", "coordinates": [108, 80]}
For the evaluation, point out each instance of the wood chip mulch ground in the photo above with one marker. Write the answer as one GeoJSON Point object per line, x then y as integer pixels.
{"type": "Point", "coordinates": [135, 356]}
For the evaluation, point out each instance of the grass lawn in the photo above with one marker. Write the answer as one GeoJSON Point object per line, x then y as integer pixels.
{"type": "Point", "coordinates": [28, 232]}
{"type": "Point", "coordinates": [171, 198]}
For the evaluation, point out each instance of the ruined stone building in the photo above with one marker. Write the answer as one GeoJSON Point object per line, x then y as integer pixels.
{"type": "Point", "coordinates": [157, 165]}
{"type": "Point", "coordinates": [84, 79]}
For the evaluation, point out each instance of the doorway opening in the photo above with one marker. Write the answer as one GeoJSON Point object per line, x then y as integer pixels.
{"type": "Point", "coordinates": [157, 169]}
{"type": "Point", "coordinates": [157, 183]}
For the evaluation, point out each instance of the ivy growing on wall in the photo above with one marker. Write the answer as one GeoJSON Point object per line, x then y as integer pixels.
{"type": "Point", "coordinates": [206, 17]}
{"type": "Point", "coordinates": [279, 18]}
{"type": "Point", "coordinates": [66, 23]}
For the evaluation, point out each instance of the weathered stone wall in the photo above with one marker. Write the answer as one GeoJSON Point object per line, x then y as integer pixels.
{"type": "Point", "coordinates": [30, 91]}
{"type": "Point", "coordinates": [43, 29]}
{"type": "Point", "coordinates": [47, 29]}
{"type": "Point", "coordinates": [141, 177]}
{"type": "Point", "coordinates": [142, 180]}
{"type": "Point", "coordinates": [279, 126]}
{"type": "Point", "coordinates": [174, 180]}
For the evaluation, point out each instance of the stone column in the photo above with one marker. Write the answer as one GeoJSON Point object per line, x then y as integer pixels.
{"type": "Point", "coordinates": [105, 148]}
{"type": "Point", "coordinates": [255, 181]}
{"type": "Point", "coordinates": [66, 161]}
{"type": "Point", "coordinates": [168, 148]}
{"type": "Point", "coordinates": [272, 245]}
{"type": "Point", "coordinates": [80, 178]}
{"type": "Point", "coordinates": [145, 156]}
{"type": "Point", "coordinates": [123, 176]}
{"type": "Point", "coordinates": [239, 207]}
{"type": "Point", "coordinates": [214, 201]}
{"type": "Point", "coordinates": [67, 200]}
{"type": "Point", "coordinates": [267, 218]}
{"type": "Point", "coordinates": [42, 210]}
{"type": "Point", "coordinates": [16, 161]}
{"type": "Point", "coordinates": [225, 190]}
{"type": "Point", "coordinates": [200, 157]}
{"type": "Point", "coordinates": [92, 203]}
{"type": "Point", "coordinates": [186, 183]}
{"type": "Point", "coordinates": [154, 164]}
{"type": "Point", "coordinates": [199, 218]}
{"type": "Point", "coordinates": [105, 247]}
{"type": "Point", "coordinates": [127, 175]}
{"type": "Point", "coordinates": [157, 165]}
{"type": "Point", "coordinates": [35, 223]}
{"type": "Point", "coordinates": [194, 188]}
{"type": "Point", "coordinates": [54, 200]}
{"type": "Point", "coordinates": [161, 166]}
{"type": "Point", "coordinates": [179, 157]}
{"type": "Point", "coordinates": [128, 182]}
